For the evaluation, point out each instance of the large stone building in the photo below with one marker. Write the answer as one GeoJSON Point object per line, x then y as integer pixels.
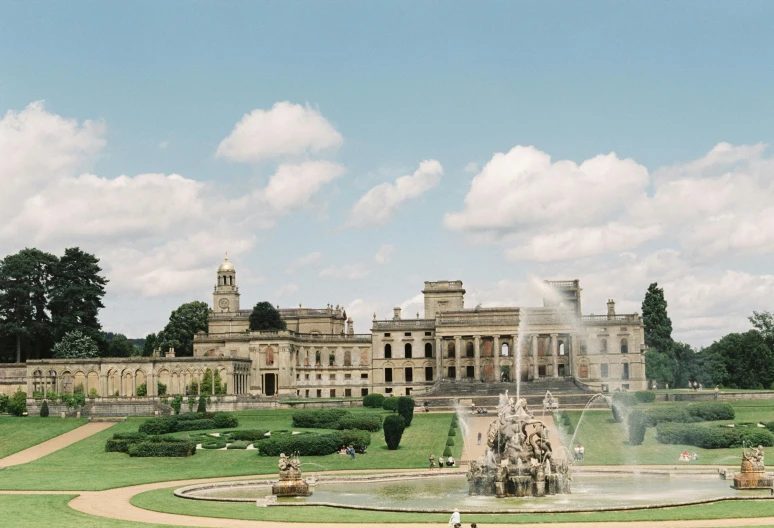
{"type": "Point", "coordinates": [320, 356]}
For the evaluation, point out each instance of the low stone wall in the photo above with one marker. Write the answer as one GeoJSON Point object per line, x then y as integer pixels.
{"type": "Point", "coordinates": [708, 395]}
{"type": "Point", "coordinates": [12, 376]}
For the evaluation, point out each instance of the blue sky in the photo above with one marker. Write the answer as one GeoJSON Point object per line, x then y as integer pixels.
{"type": "Point", "coordinates": [659, 84]}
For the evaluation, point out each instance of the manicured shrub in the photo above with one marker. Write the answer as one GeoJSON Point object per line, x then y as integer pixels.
{"type": "Point", "coordinates": [406, 406]}
{"type": "Point", "coordinates": [617, 412]}
{"type": "Point", "coordinates": [636, 427]}
{"type": "Point", "coordinates": [336, 419]}
{"type": "Point", "coordinates": [304, 445]}
{"type": "Point", "coordinates": [176, 403]}
{"type": "Point", "coordinates": [17, 404]}
{"type": "Point", "coordinates": [450, 441]}
{"type": "Point", "coordinates": [452, 432]}
{"type": "Point", "coordinates": [447, 451]}
{"type": "Point", "coordinates": [193, 425]}
{"type": "Point", "coordinates": [373, 400]}
{"type": "Point", "coordinates": [365, 422]}
{"type": "Point", "coordinates": [711, 411]}
{"type": "Point", "coordinates": [223, 420]}
{"type": "Point", "coordinates": [356, 438]}
{"type": "Point", "coordinates": [657, 415]}
{"type": "Point", "coordinates": [645, 396]}
{"type": "Point", "coordinates": [214, 444]}
{"type": "Point", "coordinates": [142, 389]}
{"type": "Point", "coordinates": [166, 448]}
{"type": "Point", "coordinates": [188, 422]}
{"type": "Point", "coordinates": [625, 399]}
{"type": "Point", "coordinates": [390, 404]}
{"type": "Point", "coordinates": [394, 426]}
{"type": "Point", "coordinates": [249, 435]}
{"type": "Point", "coordinates": [44, 409]}
{"type": "Point", "coordinates": [202, 407]}
{"type": "Point", "coordinates": [242, 444]}
{"type": "Point", "coordinates": [712, 437]}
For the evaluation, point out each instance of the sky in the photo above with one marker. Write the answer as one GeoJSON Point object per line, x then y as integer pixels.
{"type": "Point", "coordinates": [346, 152]}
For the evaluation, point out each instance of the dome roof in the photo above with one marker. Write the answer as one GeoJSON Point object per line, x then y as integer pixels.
{"type": "Point", "coordinates": [226, 266]}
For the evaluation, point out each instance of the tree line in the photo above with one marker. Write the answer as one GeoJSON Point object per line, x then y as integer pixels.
{"type": "Point", "coordinates": [737, 360]}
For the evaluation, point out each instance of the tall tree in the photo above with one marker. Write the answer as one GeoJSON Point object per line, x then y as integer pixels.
{"type": "Point", "coordinates": [76, 294]}
{"type": "Point", "coordinates": [658, 326]}
{"type": "Point", "coordinates": [266, 317]}
{"type": "Point", "coordinates": [151, 343]}
{"type": "Point", "coordinates": [75, 344]}
{"type": "Point", "coordinates": [25, 282]}
{"type": "Point", "coordinates": [748, 361]}
{"type": "Point", "coordinates": [763, 322]}
{"type": "Point", "coordinates": [183, 324]}
{"type": "Point", "coordinates": [120, 346]}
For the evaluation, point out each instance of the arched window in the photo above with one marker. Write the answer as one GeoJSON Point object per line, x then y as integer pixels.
{"type": "Point", "coordinates": [387, 351]}
{"type": "Point", "coordinates": [428, 350]}
{"type": "Point", "coordinates": [269, 356]}
{"type": "Point", "coordinates": [603, 346]}
{"type": "Point", "coordinates": [450, 349]}
{"type": "Point", "coordinates": [504, 349]}
{"type": "Point", "coordinates": [469, 350]}
{"type": "Point", "coordinates": [624, 346]}
{"type": "Point", "coordinates": [407, 350]}
{"type": "Point", "coordinates": [583, 370]}
{"type": "Point", "coordinates": [347, 358]}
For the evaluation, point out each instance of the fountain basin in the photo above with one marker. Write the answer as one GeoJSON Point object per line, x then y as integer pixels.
{"type": "Point", "coordinates": [440, 492]}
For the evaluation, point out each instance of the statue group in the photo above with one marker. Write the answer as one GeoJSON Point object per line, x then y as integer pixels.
{"type": "Point", "coordinates": [753, 474]}
{"type": "Point", "coordinates": [519, 460]}
{"type": "Point", "coordinates": [290, 483]}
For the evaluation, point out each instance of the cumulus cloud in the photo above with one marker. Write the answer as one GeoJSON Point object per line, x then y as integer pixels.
{"type": "Point", "coordinates": [286, 129]}
{"type": "Point", "coordinates": [292, 186]}
{"type": "Point", "coordinates": [378, 204]}
{"type": "Point", "coordinates": [383, 255]}
{"type": "Point", "coordinates": [305, 261]}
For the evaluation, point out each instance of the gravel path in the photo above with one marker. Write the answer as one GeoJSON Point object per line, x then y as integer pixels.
{"type": "Point", "coordinates": [55, 444]}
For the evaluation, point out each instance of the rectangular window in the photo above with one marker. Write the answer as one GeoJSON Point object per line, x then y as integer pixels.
{"type": "Point", "coordinates": [319, 376]}
{"type": "Point", "coordinates": [319, 393]}
{"type": "Point", "coordinates": [386, 334]}
{"type": "Point", "coordinates": [388, 375]}
{"type": "Point", "coordinates": [428, 373]}
{"type": "Point", "coordinates": [333, 393]}
{"type": "Point", "coordinates": [428, 334]}
{"type": "Point", "coordinates": [364, 392]}
{"type": "Point", "coordinates": [347, 376]}
{"type": "Point", "coordinates": [307, 393]}
{"type": "Point", "coordinates": [364, 375]}
{"type": "Point", "coordinates": [298, 377]}
{"type": "Point", "coordinates": [625, 386]}
{"type": "Point", "coordinates": [332, 377]}
{"type": "Point", "coordinates": [603, 370]}
{"type": "Point", "coordinates": [625, 372]}
{"type": "Point", "coordinates": [407, 334]}
{"type": "Point", "coordinates": [451, 373]}
{"type": "Point", "coordinates": [388, 390]}
{"type": "Point", "coordinates": [306, 377]}
{"type": "Point", "coordinates": [348, 393]}
{"type": "Point", "coordinates": [409, 373]}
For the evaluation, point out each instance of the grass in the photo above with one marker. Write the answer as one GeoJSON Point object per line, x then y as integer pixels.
{"type": "Point", "coordinates": [23, 511]}
{"type": "Point", "coordinates": [17, 434]}
{"type": "Point", "coordinates": [88, 467]}
{"type": "Point", "coordinates": [163, 500]}
{"type": "Point", "coordinates": [599, 429]}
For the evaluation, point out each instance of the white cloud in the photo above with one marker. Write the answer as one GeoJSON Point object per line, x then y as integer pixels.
{"type": "Point", "coordinates": [384, 253]}
{"type": "Point", "coordinates": [286, 129]}
{"type": "Point", "coordinates": [292, 186]}
{"type": "Point", "coordinates": [378, 204]}
{"type": "Point", "coordinates": [471, 167]}
{"type": "Point", "coordinates": [285, 289]}
{"type": "Point", "coordinates": [348, 271]}
{"type": "Point", "coordinates": [305, 261]}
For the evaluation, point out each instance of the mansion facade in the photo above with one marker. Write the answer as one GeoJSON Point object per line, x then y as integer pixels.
{"type": "Point", "coordinates": [320, 355]}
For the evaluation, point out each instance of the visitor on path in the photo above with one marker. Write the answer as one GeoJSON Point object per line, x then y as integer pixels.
{"type": "Point", "coordinates": [479, 438]}
{"type": "Point", "coordinates": [440, 461]}
{"type": "Point", "coordinates": [577, 452]}
{"type": "Point", "coordinates": [455, 518]}
{"type": "Point", "coordinates": [432, 461]}
{"type": "Point", "coordinates": [717, 391]}
{"type": "Point", "coordinates": [352, 451]}
{"type": "Point", "coordinates": [450, 462]}
{"type": "Point", "coordinates": [582, 452]}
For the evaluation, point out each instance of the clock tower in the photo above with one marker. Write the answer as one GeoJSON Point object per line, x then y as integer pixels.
{"type": "Point", "coordinates": [225, 298]}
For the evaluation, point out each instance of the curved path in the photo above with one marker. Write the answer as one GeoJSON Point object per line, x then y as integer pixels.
{"type": "Point", "coordinates": [55, 444]}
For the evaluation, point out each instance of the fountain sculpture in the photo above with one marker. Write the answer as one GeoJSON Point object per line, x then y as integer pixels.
{"type": "Point", "coordinates": [518, 461]}
{"type": "Point", "coordinates": [290, 483]}
{"type": "Point", "coordinates": [753, 475]}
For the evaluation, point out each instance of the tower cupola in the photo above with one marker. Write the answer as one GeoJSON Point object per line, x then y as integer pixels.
{"type": "Point", "coordinates": [226, 294]}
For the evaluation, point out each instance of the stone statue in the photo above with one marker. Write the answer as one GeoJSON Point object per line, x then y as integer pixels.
{"type": "Point", "coordinates": [753, 475]}
{"type": "Point", "coordinates": [290, 483]}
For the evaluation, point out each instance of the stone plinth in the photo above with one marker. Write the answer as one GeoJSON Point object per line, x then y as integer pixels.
{"type": "Point", "coordinates": [753, 474]}
{"type": "Point", "coordinates": [290, 482]}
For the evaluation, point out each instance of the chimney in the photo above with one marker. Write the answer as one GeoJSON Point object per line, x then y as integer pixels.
{"type": "Point", "coordinates": [610, 309]}
{"type": "Point", "coordinates": [396, 313]}
{"type": "Point", "coordinates": [171, 352]}
{"type": "Point", "coordinates": [350, 327]}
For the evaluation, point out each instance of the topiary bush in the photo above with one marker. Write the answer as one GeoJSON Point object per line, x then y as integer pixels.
{"type": "Point", "coordinates": [365, 422]}
{"type": "Point", "coordinates": [452, 432]}
{"type": "Point", "coordinates": [249, 435]}
{"type": "Point", "coordinates": [373, 400]}
{"type": "Point", "coordinates": [659, 415]}
{"type": "Point", "coordinates": [242, 444]}
{"type": "Point", "coordinates": [17, 404]}
{"type": "Point", "coordinates": [176, 403]}
{"type": "Point", "coordinates": [406, 406]}
{"type": "Point", "coordinates": [645, 396]}
{"type": "Point", "coordinates": [390, 404]}
{"type": "Point", "coordinates": [167, 447]}
{"type": "Point", "coordinates": [188, 422]}
{"type": "Point", "coordinates": [637, 427]}
{"type": "Point", "coordinates": [223, 420]}
{"type": "Point", "coordinates": [202, 407]}
{"type": "Point", "coordinates": [214, 444]}
{"type": "Point", "coordinates": [711, 411]}
{"type": "Point", "coordinates": [356, 438]}
{"type": "Point", "coordinates": [304, 445]}
{"type": "Point", "coordinates": [712, 437]}
{"type": "Point", "coordinates": [447, 451]}
{"type": "Point", "coordinates": [394, 426]}
{"type": "Point", "coordinates": [450, 441]}
{"type": "Point", "coordinates": [336, 419]}
{"type": "Point", "coordinates": [44, 409]}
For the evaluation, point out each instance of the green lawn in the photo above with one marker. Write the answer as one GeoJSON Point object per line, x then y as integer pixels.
{"type": "Point", "coordinates": [606, 442]}
{"type": "Point", "coordinates": [23, 511]}
{"type": "Point", "coordinates": [163, 500]}
{"type": "Point", "coordinates": [88, 467]}
{"type": "Point", "coordinates": [18, 433]}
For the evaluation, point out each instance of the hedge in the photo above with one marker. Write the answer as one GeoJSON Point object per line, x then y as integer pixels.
{"type": "Point", "coordinates": [356, 438]}
{"type": "Point", "coordinates": [188, 422]}
{"type": "Point", "coordinates": [214, 444]}
{"type": "Point", "coordinates": [447, 451]}
{"type": "Point", "coordinates": [238, 445]}
{"type": "Point", "coordinates": [179, 448]}
{"type": "Point", "coordinates": [712, 437]}
{"type": "Point", "coordinates": [250, 435]}
{"type": "Point", "coordinates": [44, 409]}
{"type": "Point", "coordinates": [637, 426]}
{"type": "Point", "coordinates": [710, 411]}
{"type": "Point", "coordinates": [373, 400]}
{"type": "Point", "coordinates": [450, 441]}
{"type": "Point", "coordinates": [336, 419]}
{"type": "Point", "coordinates": [304, 445]}
{"type": "Point", "coordinates": [627, 399]}
{"type": "Point", "coordinates": [406, 406]}
{"type": "Point", "coordinates": [452, 432]}
{"type": "Point", "coordinates": [393, 431]}
{"type": "Point", "coordinates": [390, 404]}
{"type": "Point", "coordinates": [645, 396]}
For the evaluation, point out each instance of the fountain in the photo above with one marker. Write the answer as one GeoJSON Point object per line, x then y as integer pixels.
{"type": "Point", "coordinates": [753, 475]}
{"type": "Point", "coordinates": [518, 461]}
{"type": "Point", "coordinates": [290, 483]}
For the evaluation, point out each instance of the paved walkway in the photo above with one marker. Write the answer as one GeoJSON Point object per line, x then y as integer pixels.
{"type": "Point", "coordinates": [55, 444]}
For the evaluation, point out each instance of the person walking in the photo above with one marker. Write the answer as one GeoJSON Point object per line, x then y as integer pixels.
{"type": "Point", "coordinates": [582, 452]}
{"type": "Point", "coordinates": [717, 391]}
{"type": "Point", "coordinates": [432, 461]}
{"type": "Point", "coordinates": [455, 518]}
{"type": "Point", "coordinates": [440, 461]}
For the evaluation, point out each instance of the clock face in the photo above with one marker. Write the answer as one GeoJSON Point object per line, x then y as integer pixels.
{"type": "Point", "coordinates": [223, 303]}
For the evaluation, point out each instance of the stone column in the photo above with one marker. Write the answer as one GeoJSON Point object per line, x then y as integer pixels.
{"type": "Point", "coordinates": [497, 352]}
{"type": "Point", "coordinates": [477, 356]}
{"type": "Point", "coordinates": [457, 362]}
{"type": "Point", "coordinates": [150, 383]}
{"type": "Point", "coordinates": [514, 360]}
{"type": "Point", "coordinates": [30, 387]}
{"type": "Point", "coordinates": [438, 358]}
{"type": "Point", "coordinates": [555, 353]}
{"type": "Point", "coordinates": [230, 389]}
{"type": "Point", "coordinates": [533, 346]}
